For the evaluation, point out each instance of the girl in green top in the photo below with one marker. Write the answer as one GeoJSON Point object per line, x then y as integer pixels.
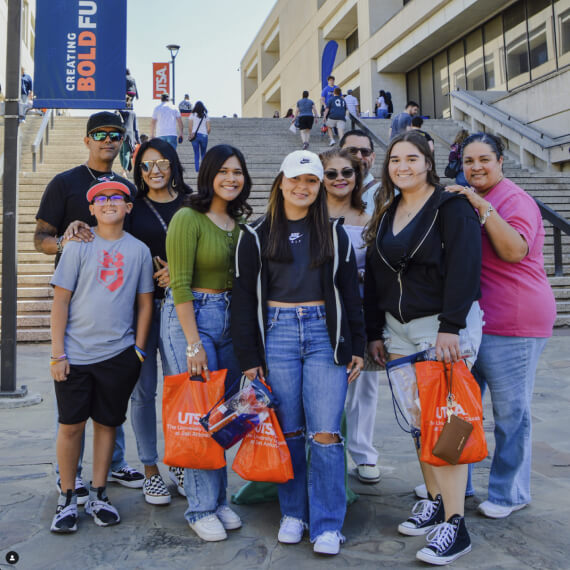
{"type": "Point", "coordinates": [195, 327]}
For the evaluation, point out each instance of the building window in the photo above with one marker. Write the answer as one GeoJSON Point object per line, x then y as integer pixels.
{"type": "Point", "coordinates": [474, 61]}
{"type": "Point", "coordinates": [562, 18]}
{"type": "Point", "coordinates": [494, 50]}
{"type": "Point", "coordinates": [516, 44]}
{"type": "Point", "coordinates": [352, 42]}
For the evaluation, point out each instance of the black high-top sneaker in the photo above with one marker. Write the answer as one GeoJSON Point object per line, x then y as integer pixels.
{"type": "Point", "coordinates": [100, 508]}
{"type": "Point", "coordinates": [65, 518]}
{"type": "Point", "coordinates": [446, 542]}
{"type": "Point", "coordinates": [425, 515]}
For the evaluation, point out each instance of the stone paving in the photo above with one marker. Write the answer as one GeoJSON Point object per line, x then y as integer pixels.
{"type": "Point", "coordinates": [158, 537]}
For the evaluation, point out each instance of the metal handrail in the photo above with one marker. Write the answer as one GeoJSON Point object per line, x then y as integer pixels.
{"type": "Point", "coordinates": [363, 127]}
{"type": "Point", "coordinates": [43, 134]}
{"type": "Point", "coordinates": [559, 225]}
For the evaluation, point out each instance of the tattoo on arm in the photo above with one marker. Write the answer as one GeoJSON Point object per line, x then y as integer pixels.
{"type": "Point", "coordinates": [43, 231]}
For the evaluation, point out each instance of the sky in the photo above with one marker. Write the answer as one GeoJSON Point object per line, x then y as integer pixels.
{"type": "Point", "coordinates": [213, 36]}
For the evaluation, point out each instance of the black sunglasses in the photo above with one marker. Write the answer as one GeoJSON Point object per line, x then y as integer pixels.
{"type": "Point", "coordinates": [114, 136]}
{"type": "Point", "coordinates": [345, 173]}
{"type": "Point", "coordinates": [354, 150]}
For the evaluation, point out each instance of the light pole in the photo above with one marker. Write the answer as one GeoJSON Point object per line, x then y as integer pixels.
{"type": "Point", "coordinates": [173, 48]}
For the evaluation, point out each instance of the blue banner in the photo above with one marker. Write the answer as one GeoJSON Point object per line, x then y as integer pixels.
{"type": "Point", "coordinates": [80, 54]}
{"type": "Point", "coordinates": [327, 61]}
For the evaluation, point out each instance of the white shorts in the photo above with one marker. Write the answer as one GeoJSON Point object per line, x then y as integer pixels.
{"type": "Point", "coordinates": [336, 123]}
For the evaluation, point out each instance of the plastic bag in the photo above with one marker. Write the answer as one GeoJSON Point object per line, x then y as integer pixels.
{"type": "Point", "coordinates": [231, 420]}
{"type": "Point", "coordinates": [184, 400]}
{"type": "Point", "coordinates": [264, 455]}
{"type": "Point", "coordinates": [433, 392]}
{"type": "Point", "coordinates": [293, 128]}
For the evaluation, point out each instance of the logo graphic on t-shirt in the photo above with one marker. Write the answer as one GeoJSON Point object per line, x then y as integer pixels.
{"type": "Point", "coordinates": [111, 271]}
{"type": "Point", "coordinates": [295, 238]}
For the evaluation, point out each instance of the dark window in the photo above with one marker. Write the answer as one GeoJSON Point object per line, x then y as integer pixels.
{"type": "Point", "coordinates": [352, 42]}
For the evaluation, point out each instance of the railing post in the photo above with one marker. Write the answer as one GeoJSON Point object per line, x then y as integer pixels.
{"type": "Point", "coordinates": [33, 160]}
{"type": "Point", "coordinates": [558, 262]}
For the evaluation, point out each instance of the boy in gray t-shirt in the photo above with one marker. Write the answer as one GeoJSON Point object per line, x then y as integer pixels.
{"type": "Point", "coordinates": [96, 350]}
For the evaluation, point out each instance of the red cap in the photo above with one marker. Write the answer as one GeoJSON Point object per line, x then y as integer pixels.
{"type": "Point", "coordinates": [107, 185]}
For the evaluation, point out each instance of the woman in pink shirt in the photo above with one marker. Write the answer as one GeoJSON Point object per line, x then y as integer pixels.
{"type": "Point", "coordinates": [519, 311]}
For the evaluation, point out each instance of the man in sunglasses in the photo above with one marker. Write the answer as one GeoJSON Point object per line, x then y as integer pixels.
{"type": "Point", "coordinates": [360, 145]}
{"type": "Point", "coordinates": [64, 215]}
{"type": "Point", "coordinates": [362, 396]}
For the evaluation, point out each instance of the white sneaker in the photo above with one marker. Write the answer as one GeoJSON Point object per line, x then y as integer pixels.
{"type": "Point", "coordinates": [328, 543]}
{"type": "Point", "coordinates": [209, 528]}
{"type": "Point", "coordinates": [229, 518]}
{"type": "Point", "coordinates": [332, 142]}
{"type": "Point", "coordinates": [291, 530]}
{"type": "Point", "coordinates": [368, 474]}
{"type": "Point", "coordinates": [494, 511]}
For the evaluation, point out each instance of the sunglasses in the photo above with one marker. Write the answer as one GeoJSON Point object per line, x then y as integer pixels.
{"type": "Point", "coordinates": [354, 150]}
{"type": "Point", "coordinates": [114, 136]}
{"type": "Point", "coordinates": [162, 163]}
{"type": "Point", "coordinates": [333, 174]}
{"type": "Point", "coordinates": [114, 199]}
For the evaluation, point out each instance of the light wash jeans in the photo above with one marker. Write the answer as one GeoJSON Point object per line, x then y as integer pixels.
{"type": "Point", "coordinates": [311, 391]}
{"type": "Point", "coordinates": [199, 144]}
{"type": "Point", "coordinates": [205, 489]}
{"type": "Point", "coordinates": [507, 365]}
{"type": "Point", "coordinates": [172, 139]}
{"type": "Point", "coordinates": [143, 398]}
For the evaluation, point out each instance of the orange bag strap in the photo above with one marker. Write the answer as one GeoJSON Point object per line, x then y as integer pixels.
{"type": "Point", "coordinates": [450, 396]}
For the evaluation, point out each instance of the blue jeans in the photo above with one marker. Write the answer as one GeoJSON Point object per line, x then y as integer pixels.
{"type": "Point", "coordinates": [205, 489]}
{"type": "Point", "coordinates": [172, 139]}
{"type": "Point", "coordinates": [143, 398]}
{"type": "Point", "coordinates": [199, 144]}
{"type": "Point", "coordinates": [382, 113]}
{"type": "Point", "coordinates": [507, 365]}
{"type": "Point", "coordinates": [311, 391]}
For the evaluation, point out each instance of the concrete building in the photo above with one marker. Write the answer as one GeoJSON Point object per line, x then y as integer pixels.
{"type": "Point", "coordinates": [28, 38]}
{"type": "Point", "coordinates": [513, 54]}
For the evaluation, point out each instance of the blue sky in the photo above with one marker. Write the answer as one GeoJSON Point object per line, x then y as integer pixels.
{"type": "Point", "coordinates": [213, 35]}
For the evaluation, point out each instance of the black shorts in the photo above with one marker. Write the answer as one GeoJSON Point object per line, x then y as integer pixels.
{"type": "Point", "coordinates": [100, 391]}
{"type": "Point", "coordinates": [306, 123]}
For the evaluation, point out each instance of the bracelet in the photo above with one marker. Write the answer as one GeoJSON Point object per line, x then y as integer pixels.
{"type": "Point", "coordinates": [483, 218]}
{"type": "Point", "coordinates": [56, 359]}
{"type": "Point", "coordinates": [140, 353]}
{"type": "Point", "coordinates": [193, 349]}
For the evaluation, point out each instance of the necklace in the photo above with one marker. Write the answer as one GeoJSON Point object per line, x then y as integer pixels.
{"type": "Point", "coordinates": [215, 219]}
{"type": "Point", "coordinates": [415, 209]}
{"type": "Point", "coordinates": [111, 177]}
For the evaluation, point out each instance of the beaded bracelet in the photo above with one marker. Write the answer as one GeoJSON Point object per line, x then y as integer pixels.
{"type": "Point", "coordinates": [140, 353]}
{"type": "Point", "coordinates": [56, 359]}
{"type": "Point", "coordinates": [193, 349]}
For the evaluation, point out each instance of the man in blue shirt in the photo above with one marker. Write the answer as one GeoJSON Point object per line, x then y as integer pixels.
{"type": "Point", "coordinates": [403, 120]}
{"type": "Point", "coordinates": [327, 93]}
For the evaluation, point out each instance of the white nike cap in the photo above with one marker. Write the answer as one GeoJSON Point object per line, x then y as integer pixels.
{"type": "Point", "coordinates": [302, 162]}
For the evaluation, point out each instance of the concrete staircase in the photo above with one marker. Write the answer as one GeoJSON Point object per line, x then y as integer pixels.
{"type": "Point", "coordinates": [264, 143]}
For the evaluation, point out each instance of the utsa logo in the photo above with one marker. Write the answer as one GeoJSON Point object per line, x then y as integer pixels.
{"type": "Point", "coordinates": [188, 418]}
{"type": "Point", "coordinates": [441, 411]}
{"type": "Point", "coordinates": [265, 428]}
{"type": "Point", "coordinates": [111, 271]}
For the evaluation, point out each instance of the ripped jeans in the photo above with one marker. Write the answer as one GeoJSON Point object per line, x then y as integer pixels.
{"type": "Point", "coordinates": [311, 391]}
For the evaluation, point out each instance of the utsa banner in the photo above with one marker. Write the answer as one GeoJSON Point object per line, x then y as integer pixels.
{"type": "Point", "coordinates": [160, 79]}
{"type": "Point", "coordinates": [80, 54]}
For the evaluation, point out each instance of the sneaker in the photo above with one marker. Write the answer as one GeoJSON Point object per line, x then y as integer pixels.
{"type": "Point", "coordinates": [494, 511]}
{"type": "Point", "coordinates": [128, 477]}
{"type": "Point", "coordinates": [176, 475]}
{"type": "Point", "coordinates": [101, 509]}
{"type": "Point", "coordinates": [328, 543]}
{"type": "Point", "coordinates": [81, 490]}
{"type": "Point", "coordinates": [65, 518]}
{"type": "Point", "coordinates": [447, 542]}
{"type": "Point", "coordinates": [229, 518]}
{"type": "Point", "coordinates": [305, 146]}
{"type": "Point", "coordinates": [421, 492]}
{"type": "Point", "coordinates": [425, 515]}
{"type": "Point", "coordinates": [155, 490]}
{"type": "Point", "coordinates": [332, 142]}
{"type": "Point", "coordinates": [368, 474]}
{"type": "Point", "coordinates": [291, 530]}
{"type": "Point", "coordinates": [209, 528]}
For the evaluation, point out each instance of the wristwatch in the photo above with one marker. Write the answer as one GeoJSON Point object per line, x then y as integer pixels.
{"type": "Point", "coordinates": [59, 242]}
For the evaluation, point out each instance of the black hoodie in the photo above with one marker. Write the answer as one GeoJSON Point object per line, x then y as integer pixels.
{"type": "Point", "coordinates": [440, 273]}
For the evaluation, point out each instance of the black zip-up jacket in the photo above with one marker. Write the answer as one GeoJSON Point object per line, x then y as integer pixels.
{"type": "Point", "coordinates": [339, 278]}
{"type": "Point", "coordinates": [439, 275]}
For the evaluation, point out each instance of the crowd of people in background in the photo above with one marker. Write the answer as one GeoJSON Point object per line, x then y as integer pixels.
{"type": "Point", "coordinates": [309, 297]}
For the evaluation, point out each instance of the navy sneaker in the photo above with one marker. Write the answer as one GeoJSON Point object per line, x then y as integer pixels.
{"type": "Point", "coordinates": [446, 542]}
{"type": "Point", "coordinates": [426, 515]}
{"type": "Point", "coordinates": [65, 518]}
{"type": "Point", "coordinates": [81, 490]}
{"type": "Point", "coordinates": [128, 477]}
{"type": "Point", "coordinates": [101, 509]}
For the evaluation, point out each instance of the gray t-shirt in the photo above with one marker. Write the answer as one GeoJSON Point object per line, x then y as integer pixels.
{"type": "Point", "coordinates": [105, 277]}
{"type": "Point", "coordinates": [400, 123]}
{"type": "Point", "coordinates": [305, 107]}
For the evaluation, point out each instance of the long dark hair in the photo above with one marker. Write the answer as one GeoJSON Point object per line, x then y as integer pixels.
{"type": "Point", "coordinates": [176, 182]}
{"type": "Point", "coordinates": [384, 198]}
{"type": "Point", "coordinates": [277, 246]}
{"type": "Point", "coordinates": [356, 194]}
{"type": "Point", "coordinates": [199, 109]}
{"type": "Point", "coordinates": [211, 164]}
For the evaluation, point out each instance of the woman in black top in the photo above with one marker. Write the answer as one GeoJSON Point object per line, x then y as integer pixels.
{"type": "Point", "coordinates": [161, 189]}
{"type": "Point", "coordinates": [423, 266]}
{"type": "Point", "coordinates": [297, 319]}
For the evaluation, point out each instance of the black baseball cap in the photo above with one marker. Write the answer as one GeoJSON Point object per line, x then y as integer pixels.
{"type": "Point", "coordinates": [105, 119]}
